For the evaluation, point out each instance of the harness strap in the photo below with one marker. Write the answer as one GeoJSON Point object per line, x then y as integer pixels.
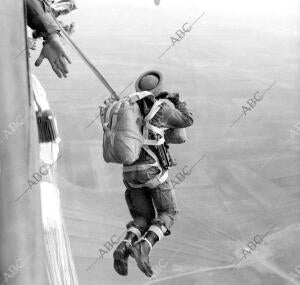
{"type": "Point", "coordinates": [148, 126]}
{"type": "Point", "coordinates": [135, 231]}
{"type": "Point", "coordinates": [157, 230]}
{"type": "Point", "coordinates": [134, 97]}
{"type": "Point", "coordinates": [154, 182]}
{"type": "Point", "coordinates": [155, 108]}
{"type": "Point", "coordinates": [155, 129]}
{"type": "Point", "coordinates": [154, 142]}
{"type": "Point", "coordinates": [115, 115]}
{"type": "Point", "coordinates": [129, 168]}
{"type": "Point", "coordinates": [117, 105]}
{"type": "Point", "coordinates": [151, 183]}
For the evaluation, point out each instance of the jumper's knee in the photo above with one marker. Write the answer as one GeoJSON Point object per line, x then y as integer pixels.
{"type": "Point", "coordinates": [165, 220]}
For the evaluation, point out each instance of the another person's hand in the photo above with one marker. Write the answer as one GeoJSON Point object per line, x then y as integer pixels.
{"type": "Point", "coordinates": [53, 50]}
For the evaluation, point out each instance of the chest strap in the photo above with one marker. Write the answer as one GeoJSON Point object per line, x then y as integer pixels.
{"type": "Point", "coordinates": [148, 126]}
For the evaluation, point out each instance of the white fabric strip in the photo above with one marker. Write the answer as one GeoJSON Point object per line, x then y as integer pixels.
{"type": "Point", "coordinates": [127, 241]}
{"type": "Point", "coordinates": [129, 168]}
{"type": "Point", "coordinates": [134, 97]}
{"type": "Point", "coordinates": [155, 108]}
{"type": "Point", "coordinates": [136, 231]}
{"type": "Point", "coordinates": [157, 231]}
{"type": "Point", "coordinates": [154, 142]}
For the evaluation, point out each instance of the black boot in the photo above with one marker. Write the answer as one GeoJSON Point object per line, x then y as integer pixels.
{"type": "Point", "coordinates": [140, 252]}
{"type": "Point", "coordinates": [121, 253]}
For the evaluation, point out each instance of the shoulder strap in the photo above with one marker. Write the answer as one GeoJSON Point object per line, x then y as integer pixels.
{"type": "Point", "coordinates": [148, 126]}
{"type": "Point", "coordinates": [109, 118]}
{"type": "Point", "coordinates": [134, 97]}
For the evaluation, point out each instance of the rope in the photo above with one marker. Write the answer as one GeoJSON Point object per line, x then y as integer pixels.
{"type": "Point", "coordinates": [84, 58]}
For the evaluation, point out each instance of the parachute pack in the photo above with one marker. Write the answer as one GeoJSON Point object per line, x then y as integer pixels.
{"type": "Point", "coordinates": [126, 131]}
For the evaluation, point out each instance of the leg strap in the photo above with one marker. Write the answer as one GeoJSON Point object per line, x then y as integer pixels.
{"type": "Point", "coordinates": [157, 230]}
{"type": "Point", "coordinates": [135, 231]}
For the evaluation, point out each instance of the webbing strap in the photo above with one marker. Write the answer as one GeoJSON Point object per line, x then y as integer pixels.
{"type": "Point", "coordinates": [157, 180]}
{"type": "Point", "coordinates": [108, 114]}
{"type": "Point", "coordinates": [115, 115]}
{"type": "Point", "coordinates": [135, 231]}
{"type": "Point", "coordinates": [148, 126]}
{"type": "Point", "coordinates": [139, 167]}
{"type": "Point", "coordinates": [134, 97]}
{"type": "Point", "coordinates": [155, 108]}
{"type": "Point", "coordinates": [155, 129]}
{"type": "Point", "coordinates": [158, 231]}
{"type": "Point", "coordinates": [154, 142]}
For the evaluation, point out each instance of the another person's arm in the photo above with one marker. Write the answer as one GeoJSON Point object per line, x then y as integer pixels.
{"type": "Point", "coordinates": [42, 21]}
{"type": "Point", "coordinates": [39, 19]}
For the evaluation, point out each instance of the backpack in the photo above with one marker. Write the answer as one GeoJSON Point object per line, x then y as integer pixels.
{"type": "Point", "coordinates": [126, 131]}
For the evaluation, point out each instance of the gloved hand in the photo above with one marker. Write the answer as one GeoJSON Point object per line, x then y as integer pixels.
{"type": "Point", "coordinates": [174, 98]}
{"type": "Point", "coordinates": [53, 50]}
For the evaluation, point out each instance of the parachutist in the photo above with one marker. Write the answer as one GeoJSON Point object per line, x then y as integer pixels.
{"type": "Point", "coordinates": [151, 119]}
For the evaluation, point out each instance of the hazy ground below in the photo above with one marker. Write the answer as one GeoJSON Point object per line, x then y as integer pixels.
{"type": "Point", "coordinates": [248, 182]}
